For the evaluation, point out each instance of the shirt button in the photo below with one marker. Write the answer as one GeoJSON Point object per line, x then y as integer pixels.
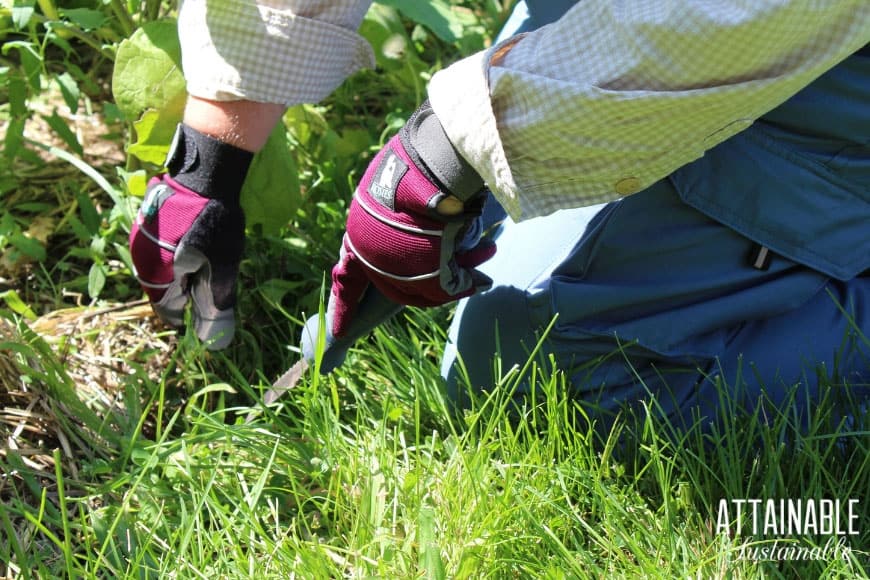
{"type": "Point", "coordinates": [627, 186]}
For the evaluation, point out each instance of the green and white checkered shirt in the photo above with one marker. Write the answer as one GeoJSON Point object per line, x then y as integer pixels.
{"type": "Point", "coordinates": [601, 104]}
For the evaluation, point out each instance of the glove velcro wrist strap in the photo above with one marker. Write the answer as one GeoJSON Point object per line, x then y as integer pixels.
{"type": "Point", "coordinates": [208, 166]}
{"type": "Point", "coordinates": [427, 144]}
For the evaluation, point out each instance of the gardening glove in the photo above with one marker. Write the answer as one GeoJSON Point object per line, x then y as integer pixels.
{"type": "Point", "coordinates": [409, 215]}
{"type": "Point", "coordinates": [188, 237]}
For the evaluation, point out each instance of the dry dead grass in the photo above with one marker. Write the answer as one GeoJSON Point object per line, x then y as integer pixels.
{"type": "Point", "coordinates": [97, 344]}
{"type": "Point", "coordinates": [96, 348]}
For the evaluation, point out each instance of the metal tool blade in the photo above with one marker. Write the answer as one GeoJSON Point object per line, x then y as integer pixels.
{"type": "Point", "coordinates": [286, 381]}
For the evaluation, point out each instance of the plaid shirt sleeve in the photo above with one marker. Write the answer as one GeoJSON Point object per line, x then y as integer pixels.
{"type": "Point", "coordinates": [617, 95]}
{"type": "Point", "coordinates": [273, 51]}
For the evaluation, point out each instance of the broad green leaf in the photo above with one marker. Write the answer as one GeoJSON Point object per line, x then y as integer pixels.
{"type": "Point", "coordinates": [394, 50]}
{"type": "Point", "coordinates": [305, 121]}
{"type": "Point", "coordinates": [436, 15]}
{"type": "Point", "coordinates": [96, 280]}
{"type": "Point", "coordinates": [271, 195]}
{"type": "Point", "coordinates": [147, 72]}
{"type": "Point", "coordinates": [98, 246]}
{"type": "Point", "coordinates": [61, 127]}
{"type": "Point", "coordinates": [22, 10]}
{"type": "Point", "coordinates": [136, 181]}
{"type": "Point", "coordinates": [79, 229]}
{"type": "Point", "coordinates": [31, 61]}
{"type": "Point", "coordinates": [384, 30]}
{"type": "Point", "coordinates": [85, 18]}
{"type": "Point", "coordinates": [7, 182]}
{"type": "Point", "coordinates": [7, 224]}
{"type": "Point", "coordinates": [69, 88]}
{"type": "Point", "coordinates": [17, 93]}
{"type": "Point", "coordinates": [17, 305]}
{"type": "Point", "coordinates": [148, 82]}
{"type": "Point", "coordinates": [90, 217]}
{"type": "Point", "coordinates": [276, 289]}
{"type": "Point", "coordinates": [154, 131]}
{"type": "Point", "coordinates": [353, 142]}
{"type": "Point", "coordinates": [14, 138]}
{"type": "Point", "coordinates": [28, 246]}
{"type": "Point", "coordinates": [48, 9]}
{"type": "Point", "coordinates": [124, 253]}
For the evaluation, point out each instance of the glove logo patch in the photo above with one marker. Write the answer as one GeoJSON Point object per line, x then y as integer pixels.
{"type": "Point", "coordinates": [154, 200]}
{"type": "Point", "coordinates": [386, 180]}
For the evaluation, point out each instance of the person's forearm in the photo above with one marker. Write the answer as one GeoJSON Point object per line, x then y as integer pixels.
{"type": "Point", "coordinates": [245, 124]}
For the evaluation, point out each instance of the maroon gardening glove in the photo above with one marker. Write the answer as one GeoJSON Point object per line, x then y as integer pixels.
{"type": "Point", "coordinates": [188, 237]}
{"type": "Point", "coordinates": [408, 216]}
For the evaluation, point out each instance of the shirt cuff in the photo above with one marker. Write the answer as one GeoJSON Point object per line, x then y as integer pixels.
{"type": "Point", "coordinates": [470, 123]}
{"type": "Point", "coordinates": [240, 51]}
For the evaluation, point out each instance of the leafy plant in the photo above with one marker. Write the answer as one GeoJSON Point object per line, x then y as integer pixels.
{"type": "Point", "coordinates": [49, 45]}
{"type": "Point", "coordinates": [54, 59]}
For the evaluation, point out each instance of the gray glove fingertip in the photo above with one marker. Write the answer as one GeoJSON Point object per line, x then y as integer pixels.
{"type": "Point", "coordinates": [216, 332]}
{"type": "Point", "coordinates": [213, 326]}
{"type": "Point", "coordinates": [170, 308]}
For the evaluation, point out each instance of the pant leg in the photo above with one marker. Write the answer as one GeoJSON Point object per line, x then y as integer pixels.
{"type": "Point", "coordinates": [792, 361]}
{"type": "Point", "coordinates": [655, 299]}
{"type": "Point", "coordinates": [498, 320]}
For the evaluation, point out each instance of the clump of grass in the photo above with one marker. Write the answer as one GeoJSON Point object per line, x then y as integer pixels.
{"type": "Point", "coordinates": [391, 483]}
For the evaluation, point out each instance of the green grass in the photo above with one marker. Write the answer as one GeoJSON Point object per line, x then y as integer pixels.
{"type": "Point", "coordinates": [366, 473]}
{"type": "Point", "coordinates": [125, 448]}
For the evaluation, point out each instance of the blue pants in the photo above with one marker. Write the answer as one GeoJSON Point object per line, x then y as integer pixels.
{"type": "Point", "coordinates": [651, 298]}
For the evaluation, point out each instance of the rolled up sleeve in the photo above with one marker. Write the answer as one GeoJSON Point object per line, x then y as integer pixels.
{"type": "Point", "coordinates": [615, 96]}
{"type": "Point", "coordinates": [288, 52]}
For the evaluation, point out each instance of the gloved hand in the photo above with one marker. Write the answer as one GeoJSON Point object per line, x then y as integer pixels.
{"type": "Point", "coordinates": [188, 237]}
{"type": "Point", "coordinates": [409, 214]}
